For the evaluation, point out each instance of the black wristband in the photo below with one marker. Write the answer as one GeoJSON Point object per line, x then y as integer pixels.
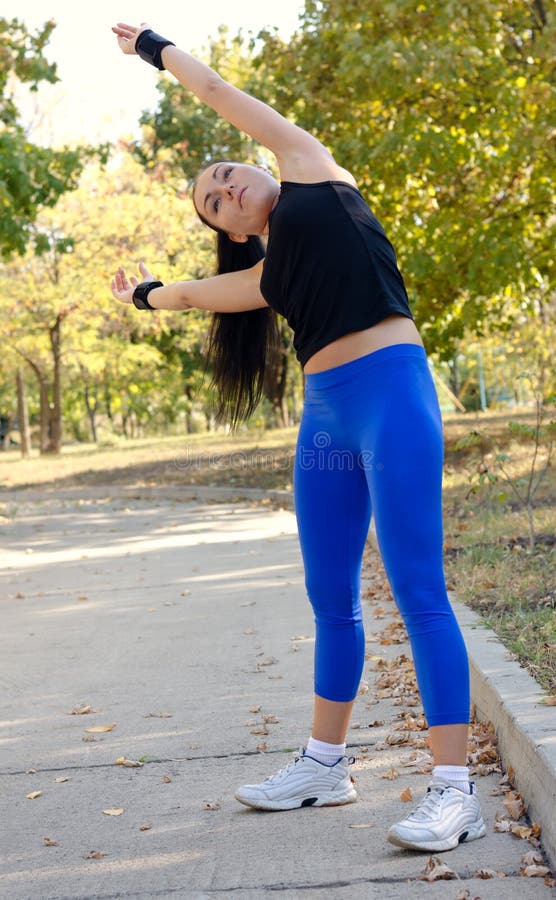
{"type": "Point", "coordinates": [149, 46]}
{"type": "Point", "coordinates": [141, 293]}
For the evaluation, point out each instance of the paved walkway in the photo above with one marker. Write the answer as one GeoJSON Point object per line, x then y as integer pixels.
{"type": "Point", "coordinates": [184, 625]}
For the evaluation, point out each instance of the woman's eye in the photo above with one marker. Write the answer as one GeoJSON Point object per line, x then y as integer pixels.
{"type": "Point", "coordinates": [227, 172]}
{"type": "Point", "coordinates": [216, 205]}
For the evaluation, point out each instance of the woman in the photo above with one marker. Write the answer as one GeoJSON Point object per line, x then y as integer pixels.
{"type": "Point", "coordinates": [370, 438]}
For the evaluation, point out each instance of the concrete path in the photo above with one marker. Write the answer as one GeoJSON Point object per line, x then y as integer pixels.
{"type": "Point", "coordinates": [184, 625]}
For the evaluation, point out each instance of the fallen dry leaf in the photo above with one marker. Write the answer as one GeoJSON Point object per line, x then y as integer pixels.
{"type": "Point", "coordinates": [114, 812]}
{"type": "Point", "coordinates": [82, 597]}
{"type": "Point", "coordinates": [406, 796]}
{"type": "Point", "coordinates": [158, 715]}
{"type": "Point", "coordinates": [82, 711]}
{"type": "Point", "coordinates": [99, 729]}
{"type": "Point", "coordinates": [34, 795]}
{"type": "Point", "coordinates": [532, 857]}
{"type": "Point", "coordinates": [436, 870]}
{"type": "Point", "coordinates": [535, 871]}
{"type": "Point", "coordinates": [369, 825]}
{"type": "Point", "coordinates": [262, 730]}
{"type": "Point", "coordinates": [376, 723]}
{"type": "Point", "coordinates": [549, 701]}
{"type": "Point", "coordinates": [270, 720]}
{"type": "Point", "coordinates": [94, 854]}
{"type": "Point", "coordinates": [521, 831]}
{"type": "Point", "coordinates": [146, 827]}
{"type": "Point", "coordinates": [397, 737]}
{"type": "Point", "coordinates": [207, 805]}
{"type": "Point", "coordinates": [61, 779]}
{"type": "Point", "coordinates": [254, 709]}
{"type": "Point", "coordinates": [488, 873]}
{"type": "Point", "coordinates": [514, 805]}
{"type": "Point", "coordinates": [48, 842]}
{"type": "Point", "coordinates": [128, 763]}
{"type": "Point", "coordinates": [262, 747]}
{"type": "Point", "coordinates": [90, 738]}
{"type": "Point", "coordinates": [391, 774]}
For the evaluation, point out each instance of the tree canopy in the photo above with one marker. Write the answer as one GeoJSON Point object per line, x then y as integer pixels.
{"type": "Point", "coordinates": [31, 176]}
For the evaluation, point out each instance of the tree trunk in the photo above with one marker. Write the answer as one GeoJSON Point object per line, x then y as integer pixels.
{"type": "Point", "coordinates": [6, 427]}
{"type": "Point", "coordinates": [276, 377]}
{"type": "Point", "coordinates": [91, 412]}
{"type": "Point", "coordinates": [44, 439]}
{"type": "Point", "coordinates": [108, 403]}
{"type": "Point", "coordinates": [55, 429]}
{"type": "Point", "coordinates": [23, 415]}
{"type": "Point", "coordinates": [44, 401]}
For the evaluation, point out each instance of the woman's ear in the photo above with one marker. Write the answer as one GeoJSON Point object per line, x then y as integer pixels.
{"type": "Point", "coordinates": [238, 238]}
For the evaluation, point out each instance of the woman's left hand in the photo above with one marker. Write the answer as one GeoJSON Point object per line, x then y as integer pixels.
{"type": "Point", "coordinates": [122, 288]}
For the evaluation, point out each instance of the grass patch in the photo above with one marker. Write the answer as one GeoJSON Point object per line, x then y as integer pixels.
{"type": "Point", "coordinates": [489, 563]}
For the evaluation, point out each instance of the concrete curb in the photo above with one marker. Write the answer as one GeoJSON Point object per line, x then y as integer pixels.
{"type": "Point", "coordinates": [506, 695]}
{"type": "Point", "coordinates": [502, 691]}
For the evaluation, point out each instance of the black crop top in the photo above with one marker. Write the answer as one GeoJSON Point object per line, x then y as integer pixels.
{"type": "Point", "coordinates": [329, 267]}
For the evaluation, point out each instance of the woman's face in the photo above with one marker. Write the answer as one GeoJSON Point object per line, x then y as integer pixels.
{"type": "Point", "coordinates": [236, 197]}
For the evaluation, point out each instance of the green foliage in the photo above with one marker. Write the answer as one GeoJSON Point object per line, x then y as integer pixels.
{"type": "Point", "coordinates": [444, 112]}
{"type": "Point", "coordinates": [31, 177]}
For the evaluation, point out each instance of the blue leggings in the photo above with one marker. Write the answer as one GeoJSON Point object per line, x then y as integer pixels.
{"type": "Point", "coordinates": [370, 440]}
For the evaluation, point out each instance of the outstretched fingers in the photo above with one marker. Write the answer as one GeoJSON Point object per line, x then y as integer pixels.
{"type": "Point", "coordinates": [128, 31]}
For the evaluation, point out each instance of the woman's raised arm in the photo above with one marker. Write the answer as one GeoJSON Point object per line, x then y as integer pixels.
{"type": "Point", "coordinates": [250, 115]}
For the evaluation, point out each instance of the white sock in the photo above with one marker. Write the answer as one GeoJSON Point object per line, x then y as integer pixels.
{"type": "Point", "coordinates": [457, 776]}
{"type": "Point", "coordinates": [327, 754]}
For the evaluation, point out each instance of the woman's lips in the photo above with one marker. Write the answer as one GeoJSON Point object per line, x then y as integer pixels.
{"type": "Point", "coordinates": [240, 198]}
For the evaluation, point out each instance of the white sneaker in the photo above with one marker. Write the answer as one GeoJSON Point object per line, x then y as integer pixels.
{"type": "Point", "coordinates": [444, 818]}
{"type": "Point", "coordinates": [303, 782]}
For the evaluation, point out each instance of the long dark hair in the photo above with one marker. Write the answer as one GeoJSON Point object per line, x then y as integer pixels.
{"type": "Point", "coordinates": [239, 345]}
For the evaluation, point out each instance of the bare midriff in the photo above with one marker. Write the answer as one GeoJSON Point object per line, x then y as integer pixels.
{"type": "Point", "coordinates": [393, 330]}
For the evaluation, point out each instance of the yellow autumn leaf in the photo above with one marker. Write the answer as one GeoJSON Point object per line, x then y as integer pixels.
{"type": "Point", "coordinates": [34, 795]}
{"type": "Point", "coordinates": [98, 729]}
{"type": "Point", "coordinates": [406, 796]}
{"type": "Point", "coordinates": [114, 812]}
